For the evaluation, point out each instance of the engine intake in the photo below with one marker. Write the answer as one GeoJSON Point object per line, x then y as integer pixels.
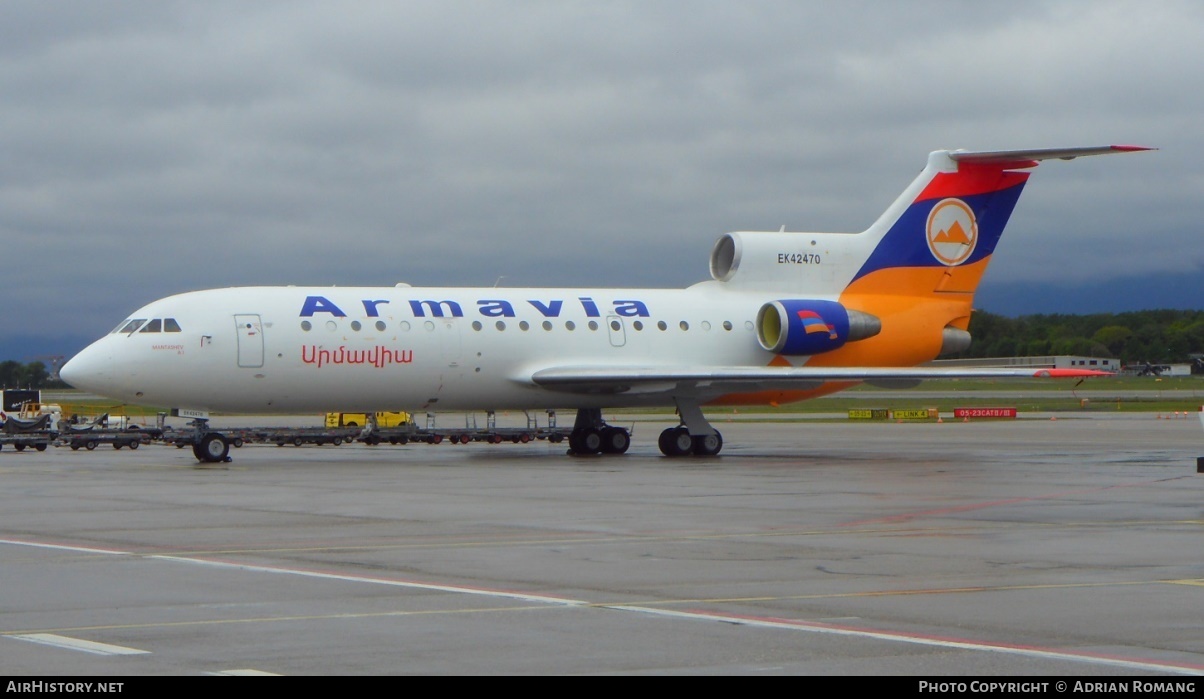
{"type": "Point", "coordinates": [795, 326]}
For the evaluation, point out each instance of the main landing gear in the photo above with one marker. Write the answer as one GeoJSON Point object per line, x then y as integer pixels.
{"type": "Point", "coordinates": [677, 441]}
{"type": "Point", "coordinates": [591, 435]}
{"type": "Point", "coordinates": [694, 436]}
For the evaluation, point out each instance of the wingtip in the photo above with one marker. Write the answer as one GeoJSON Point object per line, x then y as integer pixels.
{"type": "Point", "coordinates": [1069, 373]}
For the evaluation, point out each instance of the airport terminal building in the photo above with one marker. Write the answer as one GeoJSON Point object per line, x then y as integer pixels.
{"type": "Point", "coordinates": [1075, 362]}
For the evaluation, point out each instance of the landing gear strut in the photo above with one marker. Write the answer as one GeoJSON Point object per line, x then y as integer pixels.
{"type": "Point", "coordinates": [591, 435]}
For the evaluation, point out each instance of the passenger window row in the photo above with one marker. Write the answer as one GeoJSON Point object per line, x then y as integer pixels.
{"type": "Point", "coordinates": [523, 325]}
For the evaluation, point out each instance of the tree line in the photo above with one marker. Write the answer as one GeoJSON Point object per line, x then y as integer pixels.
{"type": "Point", "coordinates": [1136, 337]}
{"type": "Point", "coordinates": [32, 375]}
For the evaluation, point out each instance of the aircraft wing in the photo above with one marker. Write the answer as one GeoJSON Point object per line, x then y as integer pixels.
{"type": "Point", "coordinates": [719, 380]}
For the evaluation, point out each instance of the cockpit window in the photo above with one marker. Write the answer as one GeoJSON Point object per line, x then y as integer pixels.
{"type": "Point", "coordinates": [132, 326]}
{"type": "Point", "coordinates": [155, 326]}
{"type": "Point", "coordinates": [171, 326]}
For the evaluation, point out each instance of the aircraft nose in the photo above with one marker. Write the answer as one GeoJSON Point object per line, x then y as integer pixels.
{"type": "Point", "coordinates": [84, 371]}
{"type": "Point", "coordinates": [68, 372]}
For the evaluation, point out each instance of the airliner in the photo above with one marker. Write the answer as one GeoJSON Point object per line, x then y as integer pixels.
{"type": "Point", "coordinates": [785, 317]}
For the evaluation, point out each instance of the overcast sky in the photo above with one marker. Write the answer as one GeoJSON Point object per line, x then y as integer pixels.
{"type": "Point", "coordinates": [157, 147]}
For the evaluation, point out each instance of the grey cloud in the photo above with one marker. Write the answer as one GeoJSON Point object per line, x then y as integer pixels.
{"type": "Point", "coordinates": [156, 147]}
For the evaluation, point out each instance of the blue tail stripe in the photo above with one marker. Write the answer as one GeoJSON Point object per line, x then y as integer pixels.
{"type": "Point", "coordinates": [906, 243]}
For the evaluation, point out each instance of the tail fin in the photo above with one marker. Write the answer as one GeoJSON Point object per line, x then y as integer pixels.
{"type": "Point", "coordinates": [944, 228]}
{"type": "Point", "coordinates": [930, 249]}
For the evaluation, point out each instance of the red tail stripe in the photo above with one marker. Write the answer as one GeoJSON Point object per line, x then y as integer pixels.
{"type": "Point", "coordinates": [970, 180]}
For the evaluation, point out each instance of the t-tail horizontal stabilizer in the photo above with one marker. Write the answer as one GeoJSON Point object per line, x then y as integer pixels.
{"type": "Point", "coordinates": [1006, 158]}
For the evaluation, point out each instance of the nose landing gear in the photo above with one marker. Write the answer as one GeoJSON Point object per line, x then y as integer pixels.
{"type": "Point", "coordinates": [209, 447]}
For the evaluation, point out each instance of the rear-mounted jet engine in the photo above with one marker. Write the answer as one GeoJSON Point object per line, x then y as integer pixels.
{"type": "Point", "coordinates": [798, 327]}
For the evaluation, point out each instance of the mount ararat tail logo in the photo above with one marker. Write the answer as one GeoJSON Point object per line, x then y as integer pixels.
{"type": "Point", "coordinates": [952, 232]}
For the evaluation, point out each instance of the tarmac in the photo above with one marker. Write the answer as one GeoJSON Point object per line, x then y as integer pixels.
{"type": "Point", "coordinates": [1028, 547]}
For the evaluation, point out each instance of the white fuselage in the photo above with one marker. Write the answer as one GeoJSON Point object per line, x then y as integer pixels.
{"type": "Point", "coordinates": [285, 349]}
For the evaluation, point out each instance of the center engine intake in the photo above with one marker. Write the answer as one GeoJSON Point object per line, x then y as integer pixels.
{"type": "Point", "coordinates": [808, 326]}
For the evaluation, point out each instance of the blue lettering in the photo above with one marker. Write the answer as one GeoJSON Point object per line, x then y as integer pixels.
{"type": "Point", "coordinates": [496, 308]}
{"type": "Point", "coordinates": [320, 304]}
{"type": "Point", "coordinates": [552, 310]}
{"type": "Point", "coordinates": [436, 309]}
{"type": "Point", "coordinates": [370, 307]}
{"type": "Point", "coordinates": [491, 308]}
{"type": "Point", "coordinates": [631, 309]}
